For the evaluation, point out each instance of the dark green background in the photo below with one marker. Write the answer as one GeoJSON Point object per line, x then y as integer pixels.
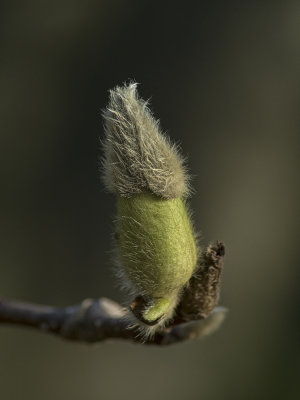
{"type": "Point", "coordinates": [223, 77]}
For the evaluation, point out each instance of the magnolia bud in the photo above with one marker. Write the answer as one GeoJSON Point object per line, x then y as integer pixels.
{"type": "Point", "coordinates": [156, 245]}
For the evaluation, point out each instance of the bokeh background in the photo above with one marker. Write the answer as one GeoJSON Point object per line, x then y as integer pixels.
{"type": "Point", "coordinates": [223, 77]}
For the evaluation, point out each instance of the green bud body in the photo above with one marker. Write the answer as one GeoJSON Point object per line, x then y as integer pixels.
{"type": "Point", "coordinates": [157, 248]}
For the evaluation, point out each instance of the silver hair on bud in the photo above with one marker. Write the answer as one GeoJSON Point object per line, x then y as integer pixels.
{"type": "Point", "coordinates": [138, 156]}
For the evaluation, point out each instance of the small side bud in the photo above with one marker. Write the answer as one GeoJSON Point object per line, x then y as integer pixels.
{"type": "Point", "coordinates": [201, 296]}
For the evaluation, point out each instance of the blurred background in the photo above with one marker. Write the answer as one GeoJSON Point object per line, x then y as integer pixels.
{"type": "Point", "coordinates": [223, 77]}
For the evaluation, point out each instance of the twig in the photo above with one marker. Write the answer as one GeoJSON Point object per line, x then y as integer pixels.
{"type": "Point", "coordinates": [102, 319]}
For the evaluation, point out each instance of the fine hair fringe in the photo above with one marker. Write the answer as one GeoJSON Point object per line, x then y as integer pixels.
{"type": "Point", "coordinates": [137, 155]}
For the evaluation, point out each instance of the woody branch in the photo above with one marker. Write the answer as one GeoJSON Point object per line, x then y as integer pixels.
{"type": "Point", "coordinates": [96, 320]}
